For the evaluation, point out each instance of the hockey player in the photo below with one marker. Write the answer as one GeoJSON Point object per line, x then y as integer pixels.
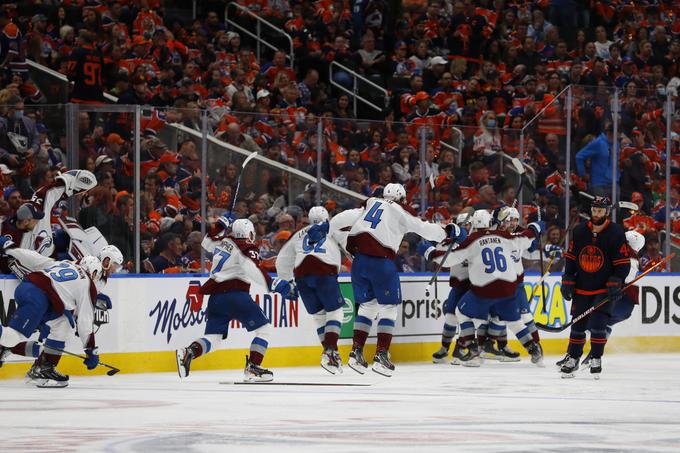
{"type": "Point", "coordinates": [624, 309]}
{"type": "Point", "coordinates": [374, 238]}
{"type": "Point", "coordinates": [459, 283]}
{"type": "Point", "coordinates": [235, 265]}
{"type": "Point", "coordinates": [314, 263]}
{"type": "Point", "coordinates": [597, 263]}
{"type": "Point", "coordinates": [493, 285]}
{"type": "Point", "coordinates": [62, 296]}
{"type": "Point", "coordinates": [508, 219]}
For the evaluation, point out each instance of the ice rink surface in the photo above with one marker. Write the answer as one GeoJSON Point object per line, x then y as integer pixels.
{"type": "Point", "coordinates": [424, 407]}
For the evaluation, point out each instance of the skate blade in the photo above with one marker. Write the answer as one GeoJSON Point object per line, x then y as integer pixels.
{"type": "Point", "coordinates": [488, 356]}
{"type": "Point", "coordinates": [441, 360]}
{"type": "Point", "coordinates": [48, 384]}
{"type": "Point", "coordinates": [539, 363]}
{"type": "Point", "coordinates": [181, 371]}
{"type": "Point", "coordinates": [258, 378]}
{"type": "Point", "coordinates": [472, 363]}
{"type": "Point", "coordinates": [381, 370]}
{"type": "Point", "coordinates": [510, 359]}
{"type": "Point", "coordinates": [568, 375]}
{"type": "Point", "coordinates": [455, 362]}
{"type": "Point", "coordinates": [356, 367]}
{"type": "Point", "coordinates": [331, 369]}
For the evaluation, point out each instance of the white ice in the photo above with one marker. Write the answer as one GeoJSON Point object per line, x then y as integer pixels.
{"type": "Point", "coordinates": [423, 407]}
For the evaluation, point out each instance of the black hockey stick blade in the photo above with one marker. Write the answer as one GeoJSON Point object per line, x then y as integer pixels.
{"type": "Point", "coordinates": [545, 328]}
{"type": "Point", "coordinates": [112, 371]}
{"type": "Point", "coordinates": [319, 384]}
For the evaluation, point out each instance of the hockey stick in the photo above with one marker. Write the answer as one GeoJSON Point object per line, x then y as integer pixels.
{"type": "Point", "coordinates": [602, 302]}
{"type": "Point", "coordinates": [238, 181]}
{"type": "Point", "coordinates": [540, 254]}
{"type": "Point", "coordinates": [540, 282]}
{"type": "Point", "coordinates": [519, 168]}
{"type": "Point", "coordinates": [113, 370]}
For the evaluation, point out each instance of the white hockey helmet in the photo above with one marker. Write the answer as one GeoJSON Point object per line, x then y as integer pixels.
{"type": "Point", "coordinates": [481, 219]}
{"type": "Point", "coordinates": [92, 266]}
{"type": "Point", "coordinates": [463, 219]}
{"type": "Point", "coordinates": [635, 240]}
{"type": "Point", "coordinates": [243, 229]}
{"type": "Point", "coordinates": [114, 258]}
{"type": "Point", "coordinates": [318, 214]}
{"type": "Point", "coordinates": [394, 192]}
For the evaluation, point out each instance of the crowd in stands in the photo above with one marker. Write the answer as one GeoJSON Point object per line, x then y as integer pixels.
{"type": "Point", "coordinates": [464, 79]}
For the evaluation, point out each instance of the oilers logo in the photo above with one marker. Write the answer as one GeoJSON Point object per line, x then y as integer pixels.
{"type": "Point", "coordinates": [591, 259]}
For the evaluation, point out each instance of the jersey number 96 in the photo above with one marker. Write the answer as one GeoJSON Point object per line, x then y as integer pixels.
{"type": "Point", "coordinates": [494, 260]}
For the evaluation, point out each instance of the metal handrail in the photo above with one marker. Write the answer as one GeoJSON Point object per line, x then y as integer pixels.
{"type": "Point", "coordinates": [257, 35]}
{"type": "Point", "coordinates": [355, 92]}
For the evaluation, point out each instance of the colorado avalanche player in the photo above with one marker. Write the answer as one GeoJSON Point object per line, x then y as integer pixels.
{"type": "Point", "coordinates": [24, 261]}
{"type": "Point", "coordinates": [314, 263]}
{"type": "Point", "coordinates": [460, 284]}
{"type": "Point", "coordinates": [235, 265]}
{"type": "Point", "coordinates": [493, 285]}
{"type": "Point", "coordinates": [62, 295]}
{"type": "Point", "coordinates": [374, 238]}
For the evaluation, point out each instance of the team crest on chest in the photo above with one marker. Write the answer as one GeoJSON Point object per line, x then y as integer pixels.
{"type": "Point", "coordinates": [591, 258]}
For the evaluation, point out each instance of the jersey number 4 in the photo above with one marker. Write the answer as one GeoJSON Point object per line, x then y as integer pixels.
{"type": "Point", "coordinates": [494, 260]}
{"type": "Point", "coordinates": [373, 215]}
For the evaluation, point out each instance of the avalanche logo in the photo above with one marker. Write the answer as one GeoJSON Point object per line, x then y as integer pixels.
{"type": "Point", "coordinates": [591, 259]}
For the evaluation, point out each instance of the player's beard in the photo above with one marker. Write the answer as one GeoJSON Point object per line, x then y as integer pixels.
{"type": "Point", "coordinates": [598, 220]}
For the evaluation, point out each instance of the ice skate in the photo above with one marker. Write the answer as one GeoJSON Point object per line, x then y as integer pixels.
{"type": "Point", "coordinates": [595, 367]}
{"type": "Point", "coordinates": [457, 355]}
{"type": "Point", "coordinates": [569, 368]}
{"type": "Point", "coordinates": [4, 352]}
{"type": "Point", "coordinates": [585, 363]}
{"type": "Point", "coordinates": [46, 376]}
{"type": "Point", "coordinates": [184, 357]}
{"type": "Point", "coordinates": [489, 350]}
{"type": "Point", "coordinates": [536, 352]}
{"type": "Point", "coordinates": [331, 362]}
{"type": "Point", "coordinates": [472, 358]}
{"type": "Point", "coordinates": [255, 373]}
{"type": "Point", "coordinates": [441, 355]}
{"type": "Point", "coordinates": [508, 355]}
{"type": "Point", "coordinates": [562, 361]}
{"type": "Point", "coordinates": [382, 364]}
{"type": "Point", "coordinates": [356, 361]}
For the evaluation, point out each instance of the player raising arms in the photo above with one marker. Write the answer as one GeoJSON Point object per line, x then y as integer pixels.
{"type": "Point", "coordinates": [493, 285]}
{"type": "Point", "coordinates": [374, 238]}
{"type": "Point", "coordinates": [312, 257]}
{"type": "Point", "coordinates": [62, 295]}
{"type": "Point", "coordinates": [235, 265]}
{"type": "Point", "coordinates": [597, 262]}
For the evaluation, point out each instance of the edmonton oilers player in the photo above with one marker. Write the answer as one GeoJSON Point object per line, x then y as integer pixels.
{"type": "Point", "coordinates": [374, 238]}
{"type": "Point", "coordinates": [312, 257]}
{"type": "Point", "coordinates": [235, 265]}
{"type": "Point", "coordinates": [597, 263]}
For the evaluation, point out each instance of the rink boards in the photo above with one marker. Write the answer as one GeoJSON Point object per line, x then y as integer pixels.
{"type": "Point", "coordinates": [151, 318]}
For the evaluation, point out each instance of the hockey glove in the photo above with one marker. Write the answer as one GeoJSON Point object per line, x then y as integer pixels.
{"type": "Point", "coordinates": [6, 242]}
{"type": "Point", "coordinates": [424, 248]}
{"type": "Point", "coordinates": [553, 251]}
{"type": "Point", "coordinates": [568, 286]}
{"type": "Point", "coordinates": [294, 294]}
{"type": "Point", "coordinates": [535, 245]}
{"type": "Point", "coordinates": [317, 232]}
{"type": "Point", "coordinates": [456, 233]}
{"type": "Point", "coordinates": [614, 286]}
{"type": "Point", "coordinates": [538, 227]}
{"type": "Point", "coordinates": [103, 302]}
{"type": "Point", "coordinates": [281, 286]}
{"type": "Point", "coordinates": [92, 359]}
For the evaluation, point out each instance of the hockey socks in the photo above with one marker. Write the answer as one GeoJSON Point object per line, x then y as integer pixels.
{"type": "Point", "coordinates": [449, 330]}
{"type": "Point", "coordinates": [332, 329]}
{"type": "Point", "coordinates": [258, 348]}
{"type": "Point", "coordinates": [27, 349]}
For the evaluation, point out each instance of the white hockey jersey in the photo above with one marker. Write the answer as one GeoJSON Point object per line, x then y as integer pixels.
{"type": "Point", "coordinates": [458, 272]}
{"type": "Point", "coordinates": [69, 288]}
{"type": "Point", "coordinates": [379, 227]}
{"type": "Point", "coordinates": [298, 258]}
{"type": "Point", "coordinates": [23, 261]}
{"type": "Point", "coordinates": [492, 270]}
{"type": "Point", "coordinates": [235, 265]}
